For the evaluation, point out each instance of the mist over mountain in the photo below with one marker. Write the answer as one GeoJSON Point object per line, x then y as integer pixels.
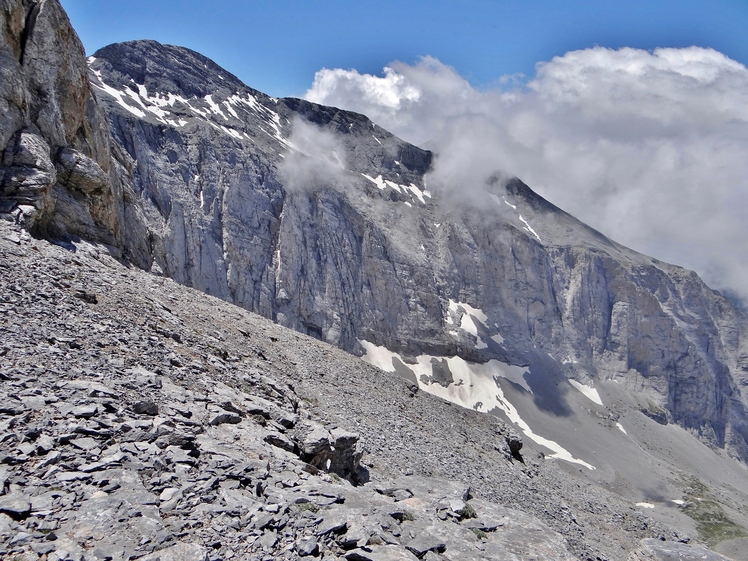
{"type": "Point", "coordinates": [645, 146]}
{"type": "Point", "coordinates": [600, 391]}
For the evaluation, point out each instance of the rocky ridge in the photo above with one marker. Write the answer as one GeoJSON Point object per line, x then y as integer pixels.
{"type": "Point", "coordinates": [60, 174]}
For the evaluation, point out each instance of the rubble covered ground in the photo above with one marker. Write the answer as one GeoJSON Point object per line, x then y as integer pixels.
{"type": "Point", "coordinates": [143, 419]}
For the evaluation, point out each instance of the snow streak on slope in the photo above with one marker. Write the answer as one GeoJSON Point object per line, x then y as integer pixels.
{"type": "Point", "coordinates": [206, 109]}
{"type": "Point", "coordinates": [415, 193]}
{"type": "Point", "coordinates": [473, 386]}
{"type": "Point", "coordinates": [588, 391]}
{"type": "Point", "coordinates": [525, 224]}
{"type": "Point", "coordinates": [467, 321]}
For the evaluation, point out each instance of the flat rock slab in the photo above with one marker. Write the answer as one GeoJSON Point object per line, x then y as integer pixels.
{"type": "Point", "coordinates": [72, 476]}
{"type": "Point", "coordinates": [179, 552]}
{"type": "Point", "coordinates": [223, 418]}
{"type": "Point", "coordinates": [381, 553]}
{"type": "Point", "coordinates": [15, 504]}
{"type": "Point", "coordinates": [85, 411]}
{"type": "Point", "coordinates": [424, 543]}
{"type": "Point", "coordinates": [332, 524]}
{"type": "Point", "coordinates": [86, 443]}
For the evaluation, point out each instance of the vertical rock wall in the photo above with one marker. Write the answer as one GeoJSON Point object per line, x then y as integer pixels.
{"type": "Point", "coordinates": [59, 174]}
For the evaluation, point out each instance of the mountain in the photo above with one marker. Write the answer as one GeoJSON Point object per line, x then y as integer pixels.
{"type": "Point", "coordinates": [320, 220]}
{"type": "Point", "coordinates": [624, 374]}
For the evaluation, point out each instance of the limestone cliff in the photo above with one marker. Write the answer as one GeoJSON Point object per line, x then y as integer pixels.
{"type": "Point", "coordinates": [317, 218]}
{"type": "Point", "coordinates": [60, 175]}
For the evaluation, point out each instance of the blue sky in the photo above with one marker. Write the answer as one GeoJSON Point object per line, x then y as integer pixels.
{"type": "Point", "coordinates": [276, 46]}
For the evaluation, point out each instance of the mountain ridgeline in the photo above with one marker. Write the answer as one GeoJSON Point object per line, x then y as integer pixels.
{"type": "Point", "coordinates": [322, 221]}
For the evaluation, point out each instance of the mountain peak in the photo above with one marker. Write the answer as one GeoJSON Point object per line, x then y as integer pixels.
{"type": "Point", "coordinates": [168, 68]}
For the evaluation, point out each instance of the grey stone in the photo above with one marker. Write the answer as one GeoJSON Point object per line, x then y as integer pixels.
{"type": "Point", "coordinates": [86, 443]}
{"type": "Point", "coordinates": [145, 407]}
{"type": "Point", "coordinates": [424, 543]}
{"type": "Point", "coordinates": [15, 504]}
{"type": "Point", "coordinates": [72, 476]}
{"type": "Point", "coordinates": [85, 411]}
{"type": "Point", "coordinates": [34, 402]}
{"type": "Point", "coordinates": [514, 441]}
{"type": "Point", "coordinates": [180, 552]}
{"type": "Point", "coordinates": [332, 523]}
{"type": "Point", "coordinates": [280, 440]}
{"type": "Point", "coordinates": [222, 418]}
{"type": "Point", "coordinates": [268, 540]}
{"type": "Point", "coordinates": [307, 546]}
{"type": "Point", "coordinates": [315, 441]}
{"type": "Point", "coordinates": [169, 493]}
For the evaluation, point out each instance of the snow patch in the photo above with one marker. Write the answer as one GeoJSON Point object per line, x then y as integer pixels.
{"type": "Point", "coordinates": [529, 228]}
{"type": "Point", "coordinates": [645, 505]}
{"type": "Point", "coordinates": [509, 204]}
{"type": "Point", "coordinates": [620, 428]}
{"type": "Point", "coordinates": [679, 502]}
{"type": "Point", "coordinates": [477, 312]}
{"type": "Point", "coordinates": [418, 193]}
{"type": "Point", "coordinates": [497, 338]}
{"type": "Point", "coordinates": [214, 107]}
{"type": "Point", "coordinates": [379, 182]}
{"type": "Point", "coordinates": [231, 132]}
{"type": "Point", "coordinates": [475, 386]}
{"type": "Point", "coordinates": [230, 108]}
{"type": "Point", "coordinates": [117, 95]}
{"type": "Point", "coordinates": [588, 391]}
{"type": "Point", "coordinates": [393, 185]}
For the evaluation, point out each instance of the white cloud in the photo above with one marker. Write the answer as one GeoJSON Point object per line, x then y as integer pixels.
{"type": "Point", "coordinates": [648, 147]}
{"type": "Point", "coordinates": [316, 158]}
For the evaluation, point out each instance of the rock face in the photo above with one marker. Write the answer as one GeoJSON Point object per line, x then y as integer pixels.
{"type": "Point", "coordinates": [320, 220]}
{"type": "Point", "coordinates": [59, 173]}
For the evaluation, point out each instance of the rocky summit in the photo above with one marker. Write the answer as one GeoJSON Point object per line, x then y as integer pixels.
{"type": "Point", "coordinates": [241, 327]}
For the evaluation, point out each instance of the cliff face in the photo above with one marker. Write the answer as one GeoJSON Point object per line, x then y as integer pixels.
{"type": "Point", "coordinates": [59, 174]}
{"type": "Point", "coordinates": [317, 218]}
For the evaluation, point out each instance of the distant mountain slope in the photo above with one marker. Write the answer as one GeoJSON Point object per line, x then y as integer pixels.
{"type": "Point", "coordinates": [317, 218]}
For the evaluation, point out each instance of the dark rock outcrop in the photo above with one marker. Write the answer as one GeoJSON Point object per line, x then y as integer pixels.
{"type": "Point", "coordinates": [60, 175]}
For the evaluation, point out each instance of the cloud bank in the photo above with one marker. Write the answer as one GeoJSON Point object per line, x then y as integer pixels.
{"type": "Point", "coordinates": [651, 148]}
